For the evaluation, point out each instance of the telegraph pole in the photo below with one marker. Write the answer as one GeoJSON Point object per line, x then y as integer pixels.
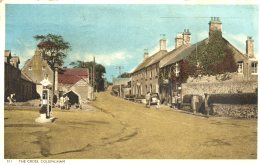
{"type": "Point", "coordinates": [94, 75]}
{"type": "Point", "coordinates": [119, 69]}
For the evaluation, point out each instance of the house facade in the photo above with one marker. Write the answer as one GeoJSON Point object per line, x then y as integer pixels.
{"type": "Point", "coordinates": [121, 87]}
{"type": "Point", "coordinates": [246, 72]}
{"type": "Point", "coordinates": [145, 76]}
{"type": "Point", "coordinates": [37, 69]}
{"type": "Point", "coordinates": [16, 82]}
{"type": "Point", "coordinates": [74, 83]}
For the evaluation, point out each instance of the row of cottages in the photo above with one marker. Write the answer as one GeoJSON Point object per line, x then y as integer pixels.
{"type": "Point", "coordinates": [145, 77]}
{"type": "Point", "coordinates": [151, 74]}
{"type": "Point", "coordinates": [17, 82]}
{"type": "Point", "coordinates": [73, 82]}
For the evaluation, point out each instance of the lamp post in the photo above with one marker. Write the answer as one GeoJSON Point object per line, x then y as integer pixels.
{"type": "Point", "coordinates": [55, 83]}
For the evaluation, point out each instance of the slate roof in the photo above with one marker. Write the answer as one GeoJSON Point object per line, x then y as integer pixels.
{"type": "Point", "coordinates": [151, 60]}
{"type": "Point", "coordinates": [175, 56]}
{"type": "Point", "coordinates": [182, 52]}
{"type": "Point", "coordinates": [25, 77]}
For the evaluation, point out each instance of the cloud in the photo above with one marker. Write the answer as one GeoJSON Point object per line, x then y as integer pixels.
{"type": "Point", "coordinates": [26, 54]}
{"type": "Point", "coordinates": [238, 40]}
{"type": "Point", "coordinates": [201, 36]}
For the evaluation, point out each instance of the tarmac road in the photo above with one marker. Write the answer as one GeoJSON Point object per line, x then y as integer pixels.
{"type": "Point", "coordinates": [119, 129]}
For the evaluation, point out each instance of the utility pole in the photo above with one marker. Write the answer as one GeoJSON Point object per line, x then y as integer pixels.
{"type": "Point", "coordinates": [119, 69]}
{"type": "Point", "coordinates": [94, 75]}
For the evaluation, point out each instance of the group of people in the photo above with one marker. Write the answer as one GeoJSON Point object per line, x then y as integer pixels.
{"type": "Point", "coordinates": [64, 103]}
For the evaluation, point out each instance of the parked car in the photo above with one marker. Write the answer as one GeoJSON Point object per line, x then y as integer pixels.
{"type": "Point", "coordinates": [154, 99]}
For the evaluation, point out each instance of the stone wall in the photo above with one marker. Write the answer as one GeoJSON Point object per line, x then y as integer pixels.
{"type": "Point", "coordinates": [237, 111]}
{"type": "Point", "coordinates": [218, 88]}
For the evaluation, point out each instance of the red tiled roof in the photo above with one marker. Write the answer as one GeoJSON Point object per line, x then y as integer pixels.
{"type": "Point", "coordinates": [72, 75]}
{"type": "Point", "coordinates": [68, 79]}
{"type": "Point", "coordinates": [76, 71]}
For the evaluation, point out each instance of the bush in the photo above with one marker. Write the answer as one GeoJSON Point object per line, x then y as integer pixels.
{"type": "Point", "coordinates": [237, 98]}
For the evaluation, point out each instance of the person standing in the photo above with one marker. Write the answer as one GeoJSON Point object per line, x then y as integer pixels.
{"type": "Point", "coordinates": [61, 102]}
{"type": "Point", "coordinates": [148, 97]}
{"type": "Point", "coordinates": [66, 99]}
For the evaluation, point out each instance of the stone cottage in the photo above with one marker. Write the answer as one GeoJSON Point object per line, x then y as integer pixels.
{"type": "Point", "coordinates": [145, 76]}
{"type": "Point", "coordinates": [37, 69]}
{"type": "Point", "coordinates": [74, 83]}
{"type": "Point", "coordinates": [243, 80]}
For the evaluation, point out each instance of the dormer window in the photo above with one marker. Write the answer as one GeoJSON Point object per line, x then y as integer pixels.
{"type": "Point", "coordinates": [30, 68]}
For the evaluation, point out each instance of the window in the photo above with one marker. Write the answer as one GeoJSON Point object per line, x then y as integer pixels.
{"type": "Point", "coordinates": [240, 67]}
{"type": "Point", "coordinates": [43, 67]}
{"type": "Point", "coordinates": [30, 68]}
{"type": "Point", "coordinates": [254, 67]}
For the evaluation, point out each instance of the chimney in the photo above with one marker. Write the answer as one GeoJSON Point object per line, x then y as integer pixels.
{"type": "Point", "coordinates": [250, 47]}
{"type": "Point", "coordinates": [215, 25]}
{"type": "Point", "coordinates": [162, 42]}
{"type": "Point", "coordinates": [146, 54]}
{"type": "Point", "coordinates": [178, 40]}
{"type": "Point", "coordinates": [186, 37]}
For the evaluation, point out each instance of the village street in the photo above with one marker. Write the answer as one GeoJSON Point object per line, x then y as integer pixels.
{"type": "Point", "coordinates": [122, 129]}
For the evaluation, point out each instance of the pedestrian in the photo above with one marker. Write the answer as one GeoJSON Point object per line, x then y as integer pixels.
{"type": "Point", "coordinates": [148, 97]}
{"type": "Point", "coordinates": [61, 102]}
{"type": "Point", "coordinates": [158, 103]}
{"type": "Point", "coordinates": [11, 99]}
{"type": "Point", "coordinates": [178, 101]}
{"type": "Point", "coordinates": [66, 100]}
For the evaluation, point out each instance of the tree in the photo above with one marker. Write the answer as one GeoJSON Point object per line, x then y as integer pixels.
{"type": "Point", "coordinates": [124, 75]}
{"type": "Point", "coordinates": [99, 72]}
{"type": "Point", "coordinates": [54, 48]}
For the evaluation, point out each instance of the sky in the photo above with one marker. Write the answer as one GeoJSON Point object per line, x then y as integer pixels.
{"type": "Point", "coordinates": [116, 35]}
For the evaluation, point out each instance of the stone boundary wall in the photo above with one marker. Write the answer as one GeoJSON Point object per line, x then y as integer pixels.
{"type": "Point", "coordinates": [218, 88]}
{"type": "Point", "coordinates": [236, 111]}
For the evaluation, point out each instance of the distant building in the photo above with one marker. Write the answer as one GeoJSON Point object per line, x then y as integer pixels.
{"type": "Point", "coordinates": [16, 82]}
{"type": "Point", "coordinates": [74, 82]}
{"type": "Point", "coordinates": [121, 87]}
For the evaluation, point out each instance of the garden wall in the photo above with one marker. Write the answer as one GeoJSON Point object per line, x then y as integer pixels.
{"type": "Point", "coordinates": [236, 111]}
{"type": "Point", "coordinates": [218, 88]}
